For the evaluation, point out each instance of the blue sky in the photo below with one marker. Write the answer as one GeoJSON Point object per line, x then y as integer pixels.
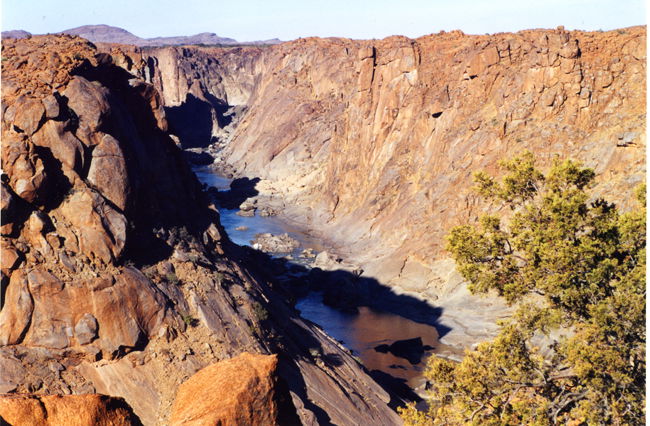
{"type": "Point", "coordinates": [247, 20]}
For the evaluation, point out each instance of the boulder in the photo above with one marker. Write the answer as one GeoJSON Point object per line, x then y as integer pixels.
{"type": "Point", "coordinates": [117, 313]}
{"type": "Point", "coordinates": [69, 410]}
{"type": "Point", "coordinates": [27, 175]}
{"type": "Point", "coordinates": [108, 171]}
{"type": "Point", "coordinates": [268, 211]}
{"type": "Point", "coordinates": [409, 349]}
{"type": "Point", "coordinates": [248, 205]}
{"type": "Point", "coordinates": [13, 373]}
{"type": "Point", "coordinates": [28, 114]}
{"type": "Point", "coordinates": [100, 228]}
{"type": "Point", "coordinates": [86, 329]}
{"type": "Point", "coordinates": [89, 101]}
{"type": "Point", "coordinates": [9, 258]}
{"type": "Point", "coordinates": [275, 243]}
{"type": "Point", "coordinates": [16, 314]}
{"type": "Point", "coordinates": [51, 104]}
{"type": "Point", "coordinates": [240, 391]}
{"type": "Point", "coordinates": [64, 146]}
{"type": "Point", "coordinates": [341, 291]}
{"type": "Point", "coordinates": [327, 261]}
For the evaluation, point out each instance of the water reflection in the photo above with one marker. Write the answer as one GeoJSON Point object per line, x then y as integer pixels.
{"type": "Point", "coordinates": [364, 331]}
{"type": "Point", "coordinates": [360, 332]}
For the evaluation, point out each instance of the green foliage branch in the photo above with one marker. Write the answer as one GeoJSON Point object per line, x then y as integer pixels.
{"type": "Point", "coordinates": [574, 351]}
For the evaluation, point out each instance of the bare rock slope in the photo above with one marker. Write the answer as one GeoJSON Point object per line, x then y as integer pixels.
{"type": "Point", "coordinates": [117, 278]}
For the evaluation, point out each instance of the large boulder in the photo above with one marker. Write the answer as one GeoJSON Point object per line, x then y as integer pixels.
{"type": "Point", "coordinates": [70, 410]}
{"type": "Point", "coordinates": [240, 391]}
{"type": "Point", "coordinates": [108, 171]}
{"type": "Point", "coordinates": [100, 228]}
{"type": "Point", "coordinates": [275, 243]}
{"type": "Point", "coordinates": [90, 102]}
{"type": "Point", "coordinates": [116, 314]}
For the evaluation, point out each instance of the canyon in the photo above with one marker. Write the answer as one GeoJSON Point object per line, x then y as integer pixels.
{"type": "Point", "coordinates": [117, 276]}
{"type": "Point", "coordinates": [371, 145]}
{"type": "Point", "coordinates": [119, 279]}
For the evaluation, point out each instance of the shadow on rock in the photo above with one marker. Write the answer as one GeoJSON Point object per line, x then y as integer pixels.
{"type": "Point", "coordinates": [399, 389]}
{"type": "Point", "coordinates": [195, 111]}
{"type": "Point", "coordinates": [347, 292]}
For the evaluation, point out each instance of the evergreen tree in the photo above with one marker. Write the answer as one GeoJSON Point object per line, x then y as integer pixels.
{"type": "Point", "coordinates": [570, 264]}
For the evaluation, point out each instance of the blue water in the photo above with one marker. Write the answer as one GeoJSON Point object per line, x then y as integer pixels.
{"type": "Point", "coordinates": [363, 331]}
{"type": "Point", "coordinates": [359, 332]}
{"type": "Point", "coordinates": [255, 224]}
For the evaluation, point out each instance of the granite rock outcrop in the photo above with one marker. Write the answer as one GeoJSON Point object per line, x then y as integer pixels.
{"type": "Point", "coordinates": [117, 277]}
{"type": "Point", "coordinates": [241, 390]}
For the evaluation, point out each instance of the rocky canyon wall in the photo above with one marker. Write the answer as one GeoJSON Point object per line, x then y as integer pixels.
{"type": "Point", "coordinates": [117, 278]}
{"type": "Point", "coordinates": [204, 89]}
{"type": "Point", "coordinates": [373, 143]}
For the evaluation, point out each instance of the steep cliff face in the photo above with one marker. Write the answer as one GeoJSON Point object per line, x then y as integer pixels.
{"type": "Point", "coordinates": [116, 276]}
{"type": "Point", "coordinates": [373, 143]}
{"type": "Point", "coordinates": [204, 90]}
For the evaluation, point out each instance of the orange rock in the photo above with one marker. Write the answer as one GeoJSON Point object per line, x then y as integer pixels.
{"type": "Point", "coordinates": [69, 410]}
{"type": "Point", "coordinates": [239, 391]}
{"type": "Point", "coordinates": [385, 165]}
{"type": "Point", "coordinates": [108, 171]}
{"type": "Point", "coordinates": [121, 312]}
{"type": "Point", "coordinates": [374, 143]}
{"type": "Point", "coordinates": [90, 102]}
{"type": "Point", "coordinates": [101, 229]}
{"type": "Point", "coordinates": [16, 315]}
{"type": "Point", "coordinates": [28, 114]}
{"type": "Point", "coordinates": [9, 258]}
{"type": "Point", "coordinates": [27, 174]}
{"type": "Point", "coordinates": [64, 145]}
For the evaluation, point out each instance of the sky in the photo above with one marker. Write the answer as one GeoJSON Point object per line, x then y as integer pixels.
{"type": "Point", "coordinates": [247, 20]}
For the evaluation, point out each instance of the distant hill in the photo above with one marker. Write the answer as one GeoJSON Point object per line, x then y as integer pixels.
{"type": "Point", "coordinates": [105, 34]}
{"type": "Point", "coordinates": [109, 34]}
{"type": "Point", "coordinates": [15, 34]}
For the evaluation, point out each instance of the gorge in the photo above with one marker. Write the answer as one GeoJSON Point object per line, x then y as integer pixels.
{"type": "Point", "coordinates": [118, 277]}
{"type": "Point", "coordinates": [372, 144]}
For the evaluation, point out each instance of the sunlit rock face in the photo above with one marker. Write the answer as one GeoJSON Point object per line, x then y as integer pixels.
{"type": "Point", "coordinates": [58, 410]}
{"type": "Point", "coordinates": [117, 278]}
{"type": "Point", "coordinates": [374, 143]}
{"type": "Point", "coordinates": [241, 390]}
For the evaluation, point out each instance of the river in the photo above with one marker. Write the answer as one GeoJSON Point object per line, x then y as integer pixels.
{"type": "Point", "coordinates": [360, 332]}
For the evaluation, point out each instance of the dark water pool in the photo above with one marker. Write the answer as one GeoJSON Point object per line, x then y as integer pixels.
{"type": "Point", "coordinates": [363, 331]}
{"type": "Point", "coordinates": [360, 332]}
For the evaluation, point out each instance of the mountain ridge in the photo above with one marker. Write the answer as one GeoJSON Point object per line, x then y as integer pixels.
{"type": "Point", "coordinates": [102, 33]}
